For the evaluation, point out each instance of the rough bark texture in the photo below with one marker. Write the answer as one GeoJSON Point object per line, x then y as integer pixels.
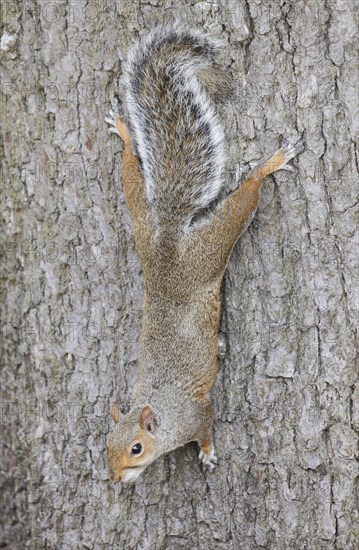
{"type": "Point", "coordinates": [287, 396]}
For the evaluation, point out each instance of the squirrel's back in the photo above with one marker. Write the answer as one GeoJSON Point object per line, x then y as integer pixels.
{"type": "Point", "coordinates": [171, 86]}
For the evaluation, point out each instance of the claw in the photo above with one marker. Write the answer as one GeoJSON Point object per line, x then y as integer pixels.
{"type": "Point", "coordinates": [209, 460]}
{"type": "Point", "coordinates": [110, 121]}
{"type": "Point", "coordinates": [291, 150]}
{"type": "Point", "coordinates": [289, 168]}
{"type": "Point", "coordinates": [116, 110]}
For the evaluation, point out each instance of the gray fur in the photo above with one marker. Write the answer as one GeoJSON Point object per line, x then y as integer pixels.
{"type": "Point", "coordinates": [160, 79]}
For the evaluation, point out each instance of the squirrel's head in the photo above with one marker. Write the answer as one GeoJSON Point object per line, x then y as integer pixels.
{"type": "Point", "coordinates": [132, 444]}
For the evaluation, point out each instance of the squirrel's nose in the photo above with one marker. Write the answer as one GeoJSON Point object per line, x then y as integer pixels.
{"type": "Point", "coordinates": [115, 478]}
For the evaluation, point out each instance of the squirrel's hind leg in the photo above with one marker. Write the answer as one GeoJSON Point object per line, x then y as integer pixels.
{"type": "Point", "coordinates": [280, 160]}
{"type": "Point", "coordinates": [238, 208]}
{"type": "Point", "coordinates": [118, 125]}
{"type": "Point", "coordinates": [236, 211]}
{"type": "Point", "coordinates": [132, 177]}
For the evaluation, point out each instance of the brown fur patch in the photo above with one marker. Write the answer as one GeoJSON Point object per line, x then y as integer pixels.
{"type": "Point", "coordinates": [206, 445]}
{"type": "Point", "coordinates": [121, 460]}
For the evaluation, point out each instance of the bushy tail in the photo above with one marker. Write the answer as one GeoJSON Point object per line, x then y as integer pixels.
{"type": "Point", "coordinates": [171, 86]}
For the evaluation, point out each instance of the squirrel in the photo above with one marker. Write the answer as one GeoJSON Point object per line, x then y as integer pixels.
{"type": "Point", "coordinates": [172, 164]}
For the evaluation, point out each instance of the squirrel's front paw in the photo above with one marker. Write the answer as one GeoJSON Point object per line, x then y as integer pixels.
{"type": "Point", "coordinates": [208, 459]}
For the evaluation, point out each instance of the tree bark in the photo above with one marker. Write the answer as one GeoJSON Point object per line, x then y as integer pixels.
{"type": "Point", "coordinates": [286, 400]}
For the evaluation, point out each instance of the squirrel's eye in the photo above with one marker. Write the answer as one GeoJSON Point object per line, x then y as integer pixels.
{"type": "Point", "coordinates": [136, 449]}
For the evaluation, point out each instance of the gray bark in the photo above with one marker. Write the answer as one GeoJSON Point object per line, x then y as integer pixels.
{"type": "Point", "coordinates": [287, 396]}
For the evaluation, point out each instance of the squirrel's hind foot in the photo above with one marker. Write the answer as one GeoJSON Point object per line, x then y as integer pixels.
{"type": "Point", "coordinates": [112, 119]}
{"type": "Point", "coordinates": [208, 460]}
{"type": "Point", "coordinates": [116, 122]}
{"type": "Point", "coordinates": [115, 115]}
{"type": "Point", "coordinates": [290, 150]}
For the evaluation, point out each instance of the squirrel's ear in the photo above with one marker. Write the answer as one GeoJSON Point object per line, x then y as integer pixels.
{"type": "Point", "coordinates": [147, 419]}
{"type": "Point", "coordinates": [115, 412]}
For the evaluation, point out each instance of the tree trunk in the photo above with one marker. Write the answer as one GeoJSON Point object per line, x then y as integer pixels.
{"type": "Point", "coordinates": [286, 400]}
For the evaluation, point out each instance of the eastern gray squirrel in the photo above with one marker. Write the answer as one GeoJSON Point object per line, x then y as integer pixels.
{"type": "Point", "coordinates": [172, 167]}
